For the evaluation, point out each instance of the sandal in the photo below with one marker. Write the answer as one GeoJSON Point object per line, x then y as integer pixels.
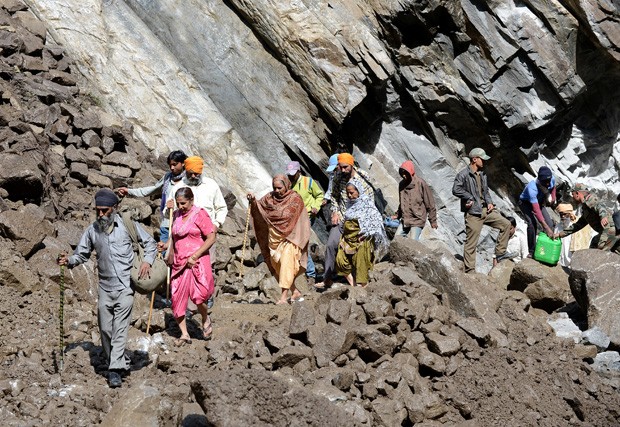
{"type": "Point", "coordinates": [207, 330]}
{"type": "Point", "coordinates": [185, 339]}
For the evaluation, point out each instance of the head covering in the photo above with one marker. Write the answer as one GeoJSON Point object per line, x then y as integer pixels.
{"type": "Point", "coordinates": [292, 168]}
{"type": "Point", "coordinates": [578, 187]}
{"type": "Point", "coordinates": [369, 218]}
{"type": "Point", "coordinates": [283, 212]}
{"type": "Point", "coordinates": [478, 152]}
{"type": "Point", "coordinates": [544, 173]}
{"type": "Point", "coordinates": [284, 180]}
{"type": "Point", "coordinates": [333, 162]}
{"type": "Point", "coordinates": [408, 166]}
{"type": "Point", "coordinates": [106, 198]}
{"type": "Point", "coordinates": [194, 164]}
{"type": "Point", "coordinates": [346, 158]}
{"type": "Point", "coordinates": [566, 208]}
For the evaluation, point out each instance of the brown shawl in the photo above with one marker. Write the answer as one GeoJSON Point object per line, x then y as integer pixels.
{"type": "Point", "coordinates": [287, 215]}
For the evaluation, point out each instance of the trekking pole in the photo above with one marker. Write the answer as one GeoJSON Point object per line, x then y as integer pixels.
{"type": "Point", "coordinates": [148, 323]}
{"type": "Point", "coordinates": [245, 239]}
{"type": "Point", "coordinates": [169, 267]}
{"type": "Point", "coordinates": [61, 318]}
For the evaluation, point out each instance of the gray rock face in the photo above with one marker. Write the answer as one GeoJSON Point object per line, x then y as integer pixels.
{"type": "Point", "coordinates": [594, 284]}
{"type": "Point", "coordinates": [251, 85]}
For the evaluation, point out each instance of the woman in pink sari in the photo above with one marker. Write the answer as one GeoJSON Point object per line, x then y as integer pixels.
{"type": "Point", "coordinates": [193, 234]}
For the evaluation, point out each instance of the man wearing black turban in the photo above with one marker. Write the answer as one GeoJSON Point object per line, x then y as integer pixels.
{"type": "Point", "coordinates": [112, 243]}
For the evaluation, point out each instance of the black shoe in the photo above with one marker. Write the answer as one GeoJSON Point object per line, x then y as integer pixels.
{"type": "Point", "coordinates": [505, 256]}
{"type": "Point", "coordinates": [114, 379]}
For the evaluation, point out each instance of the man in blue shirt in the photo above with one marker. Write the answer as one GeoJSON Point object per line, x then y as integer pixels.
{"type": "Point", "coordinates": [110, 239]}
{"type": "Point", "coordinates": [533, 202]}
{"type": "Point", "coordinates": [175, 161]}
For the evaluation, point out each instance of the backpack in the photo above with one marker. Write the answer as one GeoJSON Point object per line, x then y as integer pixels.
{"type": "Point", "coordinates": [159, 269]}
{"type": "Point", "coordinates": [380, 202]}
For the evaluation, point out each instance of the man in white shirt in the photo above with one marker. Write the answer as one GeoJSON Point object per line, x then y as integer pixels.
{"type": "Point", "coordinates": [207, 193]}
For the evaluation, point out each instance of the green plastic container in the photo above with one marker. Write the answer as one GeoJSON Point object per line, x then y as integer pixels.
{"type": "Point", "coordinates": [547, 250]}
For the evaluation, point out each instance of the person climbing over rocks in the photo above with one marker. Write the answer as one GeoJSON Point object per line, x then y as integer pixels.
{"type": "Point", "coordinates": [534, 201]}
{"type": "Point", "coordinates": [109, 238]}
{"type": "Point", "coordinates": [282, 230]}
{"type": "Point", "coordinates": [594, 213]}
{"type": "Point", "coordinates": [176, 173]}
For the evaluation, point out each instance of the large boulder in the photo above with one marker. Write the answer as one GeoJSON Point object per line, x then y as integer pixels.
{"type": "Point", "coordinates": [21, 176]}
{"type": "Point", "coordinates": [245, 397]}
{"type": "Point", "coordinates": [545, 286]}
{"type": "Point", "coordinates": [469, 294]}
{"type": "Point", "coordinates": [27, 227]}
{"type": "Point", "coordinates": [594, 284]}
{"type": "Point", "coordinates": [143, 406]}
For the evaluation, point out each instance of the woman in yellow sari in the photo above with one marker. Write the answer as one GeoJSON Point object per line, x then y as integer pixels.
{"type": "Point", "coordinates": [282, 230]}
{"type": "Point", "coordinates": [363, 237]}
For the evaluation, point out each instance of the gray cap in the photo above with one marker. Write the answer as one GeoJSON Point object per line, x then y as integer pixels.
{"type": "Point", "coordinates": [478, 152]}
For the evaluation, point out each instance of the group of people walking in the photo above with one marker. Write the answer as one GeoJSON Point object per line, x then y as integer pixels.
{"type": "Point", "coordinates": [282, 220]}
{"type": "Point", "coordinates": [193, 208]}
{"type": "Point", "coordinates": [538, 196]}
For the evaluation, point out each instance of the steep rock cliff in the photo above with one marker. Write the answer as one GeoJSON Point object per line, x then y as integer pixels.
{"type": "Point", "coordinates": [250, 85]}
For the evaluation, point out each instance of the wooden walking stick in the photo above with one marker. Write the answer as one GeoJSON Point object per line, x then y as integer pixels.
{"type": "Point", "coordinates": [61, 318]}
{"type": "Point", "coordinates": [245, 239]}
{"type": "Point", "coordinates": [148, 323]}
{"type": "Point", "coordinates": [169, 267]}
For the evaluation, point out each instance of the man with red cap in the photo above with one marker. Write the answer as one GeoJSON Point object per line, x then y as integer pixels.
{"type": "Point", "coordinates": [416, 203]}
{"type": "Point", "coordinates": [345, 171]}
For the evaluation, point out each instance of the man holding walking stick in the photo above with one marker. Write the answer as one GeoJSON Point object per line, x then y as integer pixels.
{"type": "Point", "coordinates": [112, 243]}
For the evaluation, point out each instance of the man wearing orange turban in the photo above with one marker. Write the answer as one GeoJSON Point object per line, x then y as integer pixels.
{"type": "Point", "coordinates": [207, 195]}
{"type": "Point", "coordinates": [194, 164]}
{"type": "Point", "coordinates": [346, 158]}
{"type": "Point", "coordinates": [345, 171]}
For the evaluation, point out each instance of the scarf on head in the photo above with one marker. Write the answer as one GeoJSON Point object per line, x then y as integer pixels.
{"type": "Point", "coordinates": [282, 213]}
{"type": "Point", "coordinates": [370, 220]}
{"type": "Point", "coordinates": [194, 164]}
{"type": "Point", "coordinates": [169, 179]}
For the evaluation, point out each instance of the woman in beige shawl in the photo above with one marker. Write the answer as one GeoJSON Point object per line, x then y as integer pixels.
{"type": "Point", "coordinates": [282, 229]}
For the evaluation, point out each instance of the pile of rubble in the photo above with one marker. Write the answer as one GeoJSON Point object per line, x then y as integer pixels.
{"type": "Point", "coordinates": [423, 343]}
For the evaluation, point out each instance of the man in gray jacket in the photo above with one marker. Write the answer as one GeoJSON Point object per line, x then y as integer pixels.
{"type": "Point", "coordinates": [110, 239]}
{"type": "Point", "coordinates": [470, 185]}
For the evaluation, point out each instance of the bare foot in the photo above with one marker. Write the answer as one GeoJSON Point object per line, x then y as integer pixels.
{"type": "Point", "coordinates": [282, 302]}
{"type": "Point", "coordinates": [296, 295]}
{"type": "Point", "coordinates": [323, 285]}
{"type": "Point", "coordinates": [207, 329]}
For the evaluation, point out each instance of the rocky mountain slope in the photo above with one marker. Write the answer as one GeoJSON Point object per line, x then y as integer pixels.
{"type": "Point", "coordinates": [423, 344]}
{"type": "Point", "coordinates": [250, 85]}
